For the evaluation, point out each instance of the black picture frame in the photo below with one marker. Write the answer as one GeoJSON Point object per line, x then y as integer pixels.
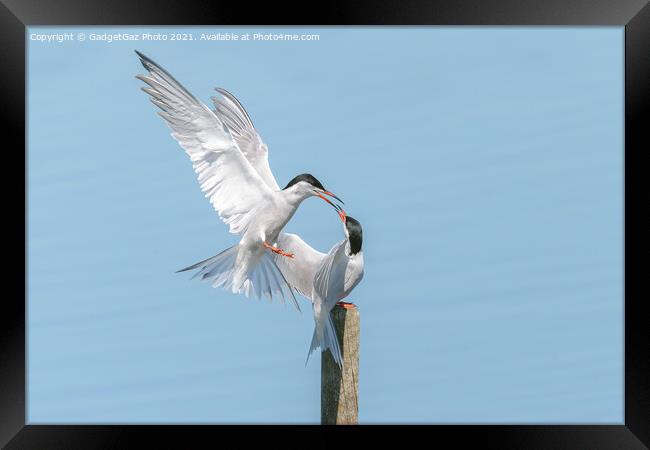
{"type": "Point", "coordinates": [634, 15]}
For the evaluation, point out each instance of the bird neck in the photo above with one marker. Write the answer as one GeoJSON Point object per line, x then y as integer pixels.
{"type": "Point", "coordinates": [294, 196]}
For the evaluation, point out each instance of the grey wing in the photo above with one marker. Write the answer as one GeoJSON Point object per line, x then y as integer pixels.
{"type": "Point", "coordinates": [329, 281]}
{"type": "Point", "coordinates": [225, 175]}
{"type": "Point", "coordinates": [231, 112]}
{"type": "Point", "coordinates": [300, 270]}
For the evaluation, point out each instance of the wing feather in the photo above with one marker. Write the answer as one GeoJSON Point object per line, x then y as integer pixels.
{"type": "Point", "coordinates": [227, 178]}
{"type": "Point", "coordinates": [299, 271]}
{"type": "Point", "coordinates": [330, 276]}
{"type": "Point", "coordinates": [231, 112]}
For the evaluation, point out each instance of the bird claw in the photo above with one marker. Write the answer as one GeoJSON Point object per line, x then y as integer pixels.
{"type": "Point", "coordinates": [283, 253]}
{"type": "Point", "coordinates": [346, 305]}
{"type": "Point", "coordinates": [278, 250]}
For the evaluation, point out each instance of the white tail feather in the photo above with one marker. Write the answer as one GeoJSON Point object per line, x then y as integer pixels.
{"type": "Point", "coordinates": [265, 279]}
{"type": "Point", "coordinates": [324, 337]}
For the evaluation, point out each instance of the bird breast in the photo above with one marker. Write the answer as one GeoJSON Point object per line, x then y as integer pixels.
{"type": "Point", "coordinates": [353, 273]}
{"type": "Point", "coordinates": [271, 219]}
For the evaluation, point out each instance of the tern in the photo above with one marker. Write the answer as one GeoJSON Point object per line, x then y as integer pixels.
{"type": "Point", "coordinates": [231, 163]}
{"type": "Point", "coordinates": [325, 279]}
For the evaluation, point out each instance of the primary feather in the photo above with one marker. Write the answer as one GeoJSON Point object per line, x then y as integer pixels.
{"type": "Point", "coordinates": [225, 175]}
{"type": "Point", "coordinates": [234, 116]}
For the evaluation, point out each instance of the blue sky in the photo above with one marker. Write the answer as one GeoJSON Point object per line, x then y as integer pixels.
{"type": "Point", "coordinates": [485, 165]}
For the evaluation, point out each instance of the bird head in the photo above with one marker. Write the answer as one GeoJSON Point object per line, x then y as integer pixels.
{"type": "Point", "coordinates": [306, 185]}
{"type": "Point", "coordinates": [353, 232]}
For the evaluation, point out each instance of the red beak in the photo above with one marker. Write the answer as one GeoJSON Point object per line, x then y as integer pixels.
{"type": "Point", "coordinates": [342, 215]}
{"type": "Point", "coordinates": [327, 200]}
{"type": "Point", "coordinates": [334, 196]}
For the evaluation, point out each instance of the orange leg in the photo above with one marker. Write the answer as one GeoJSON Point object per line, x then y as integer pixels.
{"type": "Point", "coordinates": [346, 305]}
{"type": "Point", "coordinates": [277, 250]}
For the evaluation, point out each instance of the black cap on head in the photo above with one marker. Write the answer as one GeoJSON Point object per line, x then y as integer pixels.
{"type": "Point", "coordinates": [308, 178]}
{"type": "Point", "coordinates": [355, 234]}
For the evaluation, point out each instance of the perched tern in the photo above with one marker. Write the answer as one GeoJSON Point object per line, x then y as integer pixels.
{"type": "Point", "coordinates": [325, 279]}
{"type": "Point", "coordinates": [231, 162]}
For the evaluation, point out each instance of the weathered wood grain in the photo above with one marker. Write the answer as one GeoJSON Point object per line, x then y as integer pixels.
{"type": "Point", "coordinates": [340, 389]}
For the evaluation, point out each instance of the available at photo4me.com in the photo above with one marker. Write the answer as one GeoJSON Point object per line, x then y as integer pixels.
{"type": "Point", "coordinates": [161, 37]}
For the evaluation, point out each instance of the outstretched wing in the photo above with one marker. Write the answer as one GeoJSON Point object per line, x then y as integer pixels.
{"type": "Point", "coordinates": [299, 271]}
{"type": "Point", "coordinates": [227, 179]}
{"type": "Point", "coordinates": [265, 279]}
{"type": "Point", "coordinates": [329, 281]}
{"type": "Point", "coordinates": [231, 112]}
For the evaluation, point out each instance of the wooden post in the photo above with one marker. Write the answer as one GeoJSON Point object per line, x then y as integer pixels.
{"type": "Point", "coordinates": [339, 392]}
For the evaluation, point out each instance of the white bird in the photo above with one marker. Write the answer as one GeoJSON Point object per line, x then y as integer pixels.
{"type": "Point", "coordinates": [325, 279]}
{"type": "Point", "coordinates": [231, 162]}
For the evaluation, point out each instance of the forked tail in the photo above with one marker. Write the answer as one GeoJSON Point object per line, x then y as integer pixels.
{"type": "Point", "coordinates": [264, 279]}
{"type": "Point", "coordinates": [324, 337]}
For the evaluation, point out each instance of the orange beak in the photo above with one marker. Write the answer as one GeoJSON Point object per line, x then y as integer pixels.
{"type": "Point", "coordinates": [342, 215]}
{"type": "Point", "coordinates": [327, 200]}
{"type": "Point", "coordinates": [334, 196]}
{"type": "Point", "coordinates": [321, 196]}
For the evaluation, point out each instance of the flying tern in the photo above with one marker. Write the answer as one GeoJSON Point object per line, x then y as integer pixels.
{"type": "Point", "coordinates": [231, 163]}
{"type": "Point", "coordinates": [325, 279]}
